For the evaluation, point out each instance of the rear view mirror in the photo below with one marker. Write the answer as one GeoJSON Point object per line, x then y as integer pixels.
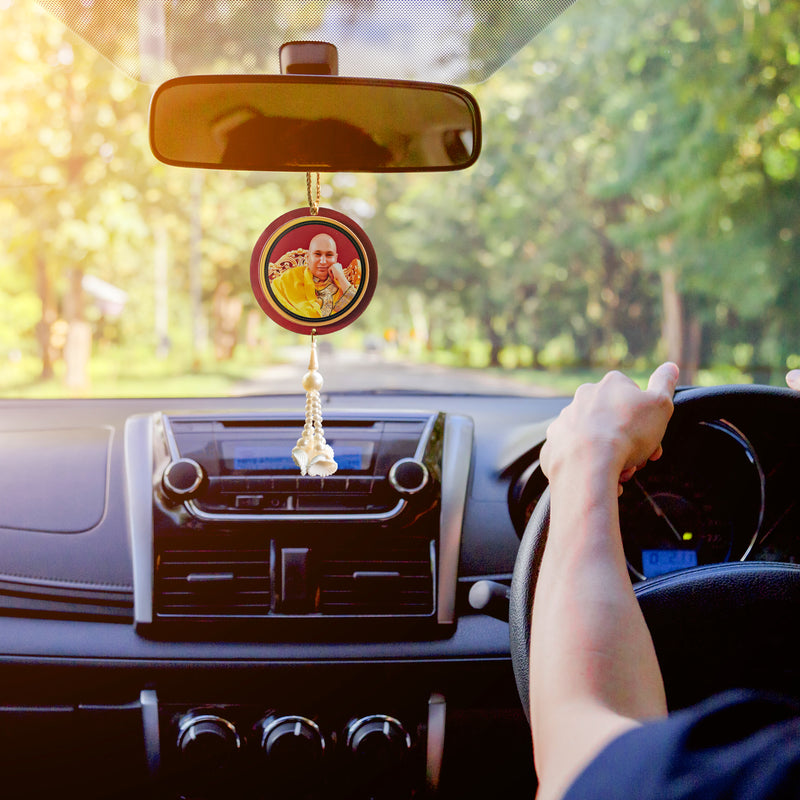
{"type": "Point", "coordinates": [289, 123]}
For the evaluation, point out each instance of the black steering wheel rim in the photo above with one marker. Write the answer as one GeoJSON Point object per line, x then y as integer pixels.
{"type": "Point", "coordinates": [721, 625]}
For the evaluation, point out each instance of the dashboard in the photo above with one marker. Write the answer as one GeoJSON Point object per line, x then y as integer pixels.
{"type": "Point", "coordinates": [186, 617]}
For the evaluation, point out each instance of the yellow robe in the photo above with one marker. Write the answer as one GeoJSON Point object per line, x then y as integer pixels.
{"type": "Point", "coordinates": [296, 291]}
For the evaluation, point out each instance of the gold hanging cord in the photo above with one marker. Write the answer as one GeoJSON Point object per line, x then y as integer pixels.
{"type": "Point", "coordinates": [313, 204]}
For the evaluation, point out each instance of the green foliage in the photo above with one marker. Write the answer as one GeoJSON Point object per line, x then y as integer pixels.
{"type": "Point", "coordinates": [624, 143]}
{"type": "Point", "coordinates": [603, 166]}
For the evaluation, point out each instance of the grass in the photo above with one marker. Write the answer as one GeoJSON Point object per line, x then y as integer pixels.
{"type": "Point", "coordinates": [130, 375]}
{"type": "Point", "coordinates": [137, 373]}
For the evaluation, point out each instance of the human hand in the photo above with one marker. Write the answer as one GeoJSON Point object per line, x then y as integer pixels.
{"type": "Point", "coordinates": [793, 379]}
{"type": "Point", "coordinates": [336, 271]}
{"type": "Point", "coordinates": [613, 423]}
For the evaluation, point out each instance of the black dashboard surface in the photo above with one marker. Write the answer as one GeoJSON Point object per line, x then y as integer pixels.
{"type": "Point", "coordinates": [64, 518]}
{"type": "Point", "coordinates": [75, 669]}
{"type": "Point", "coordinates": [75, 658]}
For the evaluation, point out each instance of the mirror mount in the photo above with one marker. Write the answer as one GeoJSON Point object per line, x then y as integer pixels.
{"type": "Point", "coordinates": [309, 58]}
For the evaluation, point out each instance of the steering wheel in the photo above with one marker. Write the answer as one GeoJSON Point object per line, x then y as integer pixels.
{"type": "Point", "coordinates": [714, 627]}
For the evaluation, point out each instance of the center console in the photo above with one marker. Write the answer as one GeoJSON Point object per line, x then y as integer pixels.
{"type": "Point", "coordinates": [231, 544]}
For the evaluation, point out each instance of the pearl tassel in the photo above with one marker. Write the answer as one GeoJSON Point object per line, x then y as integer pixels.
{"type": "Point", "coordinates": [312, 453]}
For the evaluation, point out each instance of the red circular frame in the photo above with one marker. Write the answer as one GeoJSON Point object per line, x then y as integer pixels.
{"type": "Point", "coordinates": [284, 234]}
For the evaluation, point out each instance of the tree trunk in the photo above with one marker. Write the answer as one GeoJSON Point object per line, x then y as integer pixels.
{"type": "Point", "coordinates": [227, 310]}
{"type": "Point", "coordinates": [161, 292]}
{"type": "Point", "coordinates": [49, 316]}
{"type": "Point", "coordinates": [420, 333]}
{"type": "Point", "coordinates": [195, 267]}
{"type": "Point", "coordinates": [496, 344]}
{"type": "Point", "coordinates": [496, 340]}
{"type": "Point", "coordinates": [672, 316]}
{"type": "Point", "coordinates": [78, 348]}
{"type": "Point", "coordinates": [681, 331]}
{"type": "Point", "coordinates": [691, 350]}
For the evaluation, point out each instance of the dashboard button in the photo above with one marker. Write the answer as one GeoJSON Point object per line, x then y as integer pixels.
{"type": "Point", "coordinates": [278, 502]}
{"type": "Point", "coordinates": [336, 484]}
{"type": "Point", "coordinates": [249, 501]}
{"type": "Point", "coordinates": [285, 484]}
{"type": "Point", "coordinates": [360, 485]}
{"type": "Point", "coordinates": [308, 485]}
{"type": "Point", "coordinates": [260, 483]}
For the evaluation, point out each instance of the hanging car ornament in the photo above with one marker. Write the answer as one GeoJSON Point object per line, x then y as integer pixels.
{"type": "Point", "coordinates": [313, 271]}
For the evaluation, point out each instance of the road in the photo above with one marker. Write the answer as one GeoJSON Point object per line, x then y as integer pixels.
{"type": "Point", "coordinates": [346, 371]}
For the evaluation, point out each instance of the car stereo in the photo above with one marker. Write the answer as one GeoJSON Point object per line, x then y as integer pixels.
{"type": "Point", "coordinates": [226, 530]}
{"type": "Point", "coordinates": [243, 468]}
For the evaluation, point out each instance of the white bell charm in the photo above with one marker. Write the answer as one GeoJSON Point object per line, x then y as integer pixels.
{"type": "Point", "coordinates": [312, 453]}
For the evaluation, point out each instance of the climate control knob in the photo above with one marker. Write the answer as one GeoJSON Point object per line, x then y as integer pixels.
{"type": "Point", "coordinates": [291, 743]}
{"type": "Point", "coordinates": [379, 744]}
{"type": "Point", "coordinates": [207, 740]}
{"type": "Point", "coordinates": [408, 476]}
{"type": "Point", "coordinates": [183, 479]}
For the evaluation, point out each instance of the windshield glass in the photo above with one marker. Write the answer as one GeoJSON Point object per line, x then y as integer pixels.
{"type": "Point", "coordinates": [636, 199]}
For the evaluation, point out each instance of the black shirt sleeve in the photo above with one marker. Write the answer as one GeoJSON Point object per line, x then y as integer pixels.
{"type": "Point", "coordinates": [736, 746]}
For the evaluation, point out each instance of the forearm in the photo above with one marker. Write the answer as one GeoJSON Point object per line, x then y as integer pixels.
{"type": "Point", "coordinates": [594, 671]}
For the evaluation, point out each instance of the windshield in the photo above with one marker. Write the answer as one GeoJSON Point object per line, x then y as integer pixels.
{"type": "Point", "coordinates": [636, 199]}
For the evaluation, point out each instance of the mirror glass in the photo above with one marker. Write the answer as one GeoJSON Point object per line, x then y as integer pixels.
{"type": "Point", "coordinates": [292, 123]}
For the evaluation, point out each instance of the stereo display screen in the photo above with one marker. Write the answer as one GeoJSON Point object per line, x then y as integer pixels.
{"type": "Point", "coordinates": [250, 458]}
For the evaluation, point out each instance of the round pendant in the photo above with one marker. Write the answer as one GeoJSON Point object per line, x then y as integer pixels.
{"type": "Point", "coordinates": [313, 272]}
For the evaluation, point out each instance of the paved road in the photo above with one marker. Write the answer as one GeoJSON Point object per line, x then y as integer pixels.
{"type": "Point", "coordinates": [345, 371]}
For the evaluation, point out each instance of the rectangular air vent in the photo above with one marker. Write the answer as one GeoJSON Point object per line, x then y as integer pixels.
{"type": "Point", "coordinates": [344, 576]}
{"type": "Point", "coordinates": [368, 580]}
{"type": "Point", "coordinates": [212, 582]}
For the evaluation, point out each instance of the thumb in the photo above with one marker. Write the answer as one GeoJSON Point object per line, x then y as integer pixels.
{"type": "Point", "coordinates": [665, 378]}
